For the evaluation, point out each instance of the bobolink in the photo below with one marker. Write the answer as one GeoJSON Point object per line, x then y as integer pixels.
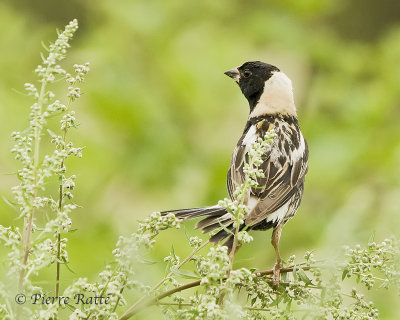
{"type": "Point", "coordinates": [276, 200]}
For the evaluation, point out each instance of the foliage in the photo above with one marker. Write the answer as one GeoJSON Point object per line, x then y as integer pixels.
{"type": "Point", "coordinates": [38, 246]}
{"type": "Point", "coordinates": [347, 97]}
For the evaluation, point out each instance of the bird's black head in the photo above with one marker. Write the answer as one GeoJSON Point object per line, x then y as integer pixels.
{"type": "Point", "coordinates": [251, 77]}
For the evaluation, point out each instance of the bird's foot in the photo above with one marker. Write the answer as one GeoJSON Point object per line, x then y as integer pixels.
{"type": "Point", "coordinates": [276, 277]}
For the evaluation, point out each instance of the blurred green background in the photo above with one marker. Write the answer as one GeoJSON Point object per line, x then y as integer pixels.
{"type": "Point", "coordinates": [159, 119]}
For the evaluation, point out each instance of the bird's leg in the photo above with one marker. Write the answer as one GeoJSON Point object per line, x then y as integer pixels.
{"type": "Point", "coordinates": [276, 234]}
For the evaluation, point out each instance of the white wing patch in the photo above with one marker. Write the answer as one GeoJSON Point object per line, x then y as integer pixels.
{"type": "Point", "coordinates": [251, 136]}
{"type": "Point", "coordinates": [277, 216]}
{"type": "Point", "coordinates": [299, 152]}
{"type": "Point", "coordinates": [252, 202]}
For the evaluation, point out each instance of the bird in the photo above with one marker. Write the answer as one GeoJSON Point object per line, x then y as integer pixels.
{"type": "Point", "coordinates": [275, 201]}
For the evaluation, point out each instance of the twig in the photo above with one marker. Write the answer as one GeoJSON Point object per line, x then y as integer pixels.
{"type": "Point", "coordinates": [60, 200]}
{"type": "Point", "coordinates": [190, 256]}
{"type": "Point", "coordinates": [268, 309]}
{"type": "Point", "coordinates": [103, 290]}
{"type": "Point", "coordinates": [177, 304]}
{"type": "Point", "coordinates": [27, 232]}
{"type": "Point", "coordinates": [58, 264]}
{"type": "Point", "coordinates": [231, 258]}
{"type": "Point", "coordinates": [119, 297]}
{"type": "Point", "coordinates": [283, 270]}
{"type": "Point", "coordinates": [142, 303]}
{"type": "Point", "coordinates": [174, 304]}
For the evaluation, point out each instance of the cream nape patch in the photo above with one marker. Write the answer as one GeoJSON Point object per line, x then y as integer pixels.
{"type": "Point", "coordinates": [277, 97]}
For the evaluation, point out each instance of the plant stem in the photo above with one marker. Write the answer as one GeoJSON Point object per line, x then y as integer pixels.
{"type": "Point", "coordinates": [60, 200]}
{"type": "Point", "coordinates": [58, 264]}
{"type": "Point", "coordinates": [141, 304]}
{"type": "Point", "coordinates": [119, 298]}
{"type": "Point", "coordinates": [140, 301]}
{"type": "Point", "coordinates": [177, 304]}
{"type": "Point", "coordinates": [234, 247]}
{"type": "Point", "coordinates": [174, 304]}
{"type": "Point", "coordinates": [104, 290]}
{"type": "Point", "coordinates": [28, 223]}
{"type": "Point", "coordinates": [190, 256]}
{"type": "Point", "coordinates": [26, 239]}
{"type": "Point", "coordinates": [58, 245]}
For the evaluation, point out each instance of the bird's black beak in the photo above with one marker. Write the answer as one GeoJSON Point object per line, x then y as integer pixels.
{"type": "Point", "coordinates": [234, 74]}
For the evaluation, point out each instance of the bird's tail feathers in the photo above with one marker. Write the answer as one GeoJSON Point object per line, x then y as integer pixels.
{"type": "Point", "coordinates": [191, 213]}
{"type": "Point", "coordinates": [216, 218]}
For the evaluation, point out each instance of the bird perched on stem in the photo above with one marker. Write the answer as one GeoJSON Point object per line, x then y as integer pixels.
{"type": "Point", "coordinates": [277, 198]}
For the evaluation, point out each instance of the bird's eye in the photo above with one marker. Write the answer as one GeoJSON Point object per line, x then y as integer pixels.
{"type": "Point", "coordinates": [246, 73]}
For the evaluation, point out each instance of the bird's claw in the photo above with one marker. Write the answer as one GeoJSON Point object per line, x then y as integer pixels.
{"type": "Point", "coordinates": [276, 277]}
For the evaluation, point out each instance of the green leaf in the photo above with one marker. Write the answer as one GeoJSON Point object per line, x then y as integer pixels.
{"type": "Point", "coordinates": [289, 305]}
{"type": "Point", "coordinates": [10, 203]}
{"type": "Point", "coordinates": [323, 294]}
{"type": "Point", "coordinates": [51, 133]}
{"type": "Point", "coordinates": [69, 268]}
{"type": "Point", "coordinates": [185, 274]}
{"type": "Point", "coordinates": [295, 276]}
{"type": "Point", "coordinates": [65, 264]}
{"type": "Point", "coordinates": [147, 261]}
{"type": "Point", "coordinates": [371, 237]}
{"type": "Point", "coordinates": [303, 276]}
{"type": "Point", "coordinates": [284, 276]}
{"type": "Point", "coordinates": [72, 308]}
{"type": "Point", "coordinates": [345, 273]}
{"type": "Point", "coordinates": [276, 301]}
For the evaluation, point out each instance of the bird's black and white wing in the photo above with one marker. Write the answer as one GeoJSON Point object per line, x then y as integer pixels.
{"type": "Point", "coordinates": [284, 167]}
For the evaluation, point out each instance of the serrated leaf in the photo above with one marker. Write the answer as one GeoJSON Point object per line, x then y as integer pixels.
{"type": "Point", "coordinates": [185, 274]}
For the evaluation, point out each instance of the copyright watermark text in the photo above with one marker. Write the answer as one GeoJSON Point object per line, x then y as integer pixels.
{"type": "Point", "coordinates": [79, 298]}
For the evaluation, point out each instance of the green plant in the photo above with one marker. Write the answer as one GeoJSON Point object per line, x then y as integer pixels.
{"type": "Point", "coordinates": [309, 289]}
{"type": "Point", "coordinates": [34, 247]}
